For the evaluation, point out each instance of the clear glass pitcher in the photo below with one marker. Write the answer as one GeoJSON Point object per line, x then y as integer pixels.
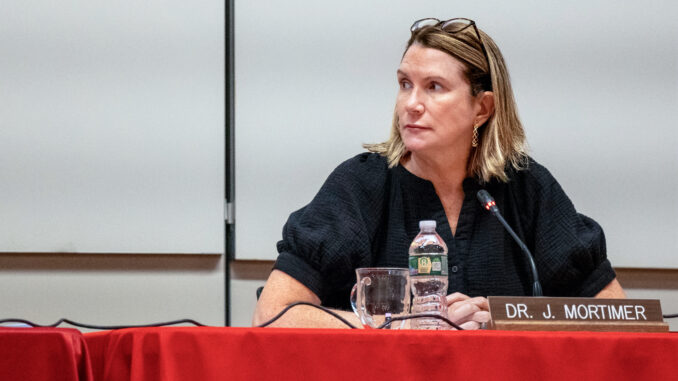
{"type": "Point", "coordinates": [380, 294]}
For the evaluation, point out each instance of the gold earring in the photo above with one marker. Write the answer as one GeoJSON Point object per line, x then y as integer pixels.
{"type": "Point", "coordinates": [474, 142]}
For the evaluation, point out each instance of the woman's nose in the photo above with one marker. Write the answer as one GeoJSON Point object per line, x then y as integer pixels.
{"type": "Point", "coordinates": [414, 103]}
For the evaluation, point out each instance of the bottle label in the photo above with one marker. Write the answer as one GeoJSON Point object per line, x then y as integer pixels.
{"type": "Point", "coordinates": [427, 265]}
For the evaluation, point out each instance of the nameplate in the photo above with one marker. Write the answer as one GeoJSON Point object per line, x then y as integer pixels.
{"type": "Point", "coordinates": [575, 314]}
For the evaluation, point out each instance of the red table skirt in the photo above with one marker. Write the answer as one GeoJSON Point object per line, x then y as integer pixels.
{"type": "Point", "coordinates": [34, 354]}
{"type": "Point", "coordinates": [210, 353]}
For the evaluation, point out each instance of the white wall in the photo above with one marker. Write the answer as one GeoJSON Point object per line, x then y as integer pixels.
{"type": "Point", "coordinates": [103, 289]}
{"type": "Point", "coordinates": [112, 126]}
{"type": "Point", "coordinates": [112, 141]}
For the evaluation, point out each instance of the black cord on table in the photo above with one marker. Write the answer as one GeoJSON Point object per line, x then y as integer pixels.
{"type": "Point", "coordinates": [269, 322]}
{"type": "Point", "coordinates": [346, 322]}
{"type": "Point", "coordinates": [102, 327]}
{"type": "Point", "coordinates": [281, 313]}
{"type": "Point", "coordinates": [416, 316]}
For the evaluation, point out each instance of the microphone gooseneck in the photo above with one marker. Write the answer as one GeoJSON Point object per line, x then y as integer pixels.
{"type": "Point", "coordinates": [488, 203]}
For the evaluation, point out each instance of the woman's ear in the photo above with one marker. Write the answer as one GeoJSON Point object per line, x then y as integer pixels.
{"type": "Point", "coordinates": [485, 107]}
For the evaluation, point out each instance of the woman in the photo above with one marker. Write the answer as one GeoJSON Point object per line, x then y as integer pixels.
{"type": "Point", "coordinates": [455, 131]}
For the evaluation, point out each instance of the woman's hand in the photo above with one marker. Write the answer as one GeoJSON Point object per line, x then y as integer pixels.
{"type": "Point", "coordinates": [467, 312]}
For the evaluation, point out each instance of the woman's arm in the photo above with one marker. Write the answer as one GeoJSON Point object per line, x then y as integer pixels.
{"type": "Point", "coordinates": [613, 290]}
{"type": "Point", "coordinates": [282, 290]}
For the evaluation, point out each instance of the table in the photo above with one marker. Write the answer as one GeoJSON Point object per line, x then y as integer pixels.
{"type": "Point", "coordinates": [54, 354]}
{"type": "Point", "coordinates": [217, 353]}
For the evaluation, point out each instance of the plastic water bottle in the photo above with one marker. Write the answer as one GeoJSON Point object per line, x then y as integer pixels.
{"type": "Point", "coordinates": [428, 276]}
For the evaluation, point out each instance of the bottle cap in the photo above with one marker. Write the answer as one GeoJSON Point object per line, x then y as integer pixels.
{"type": "Point", "coordinates": [427, 224]}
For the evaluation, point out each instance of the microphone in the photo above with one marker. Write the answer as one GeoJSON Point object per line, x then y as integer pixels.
{"type": "Point", "coordinates": [488, 203]}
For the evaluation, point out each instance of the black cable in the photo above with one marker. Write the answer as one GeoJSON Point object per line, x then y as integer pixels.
{"type": "Point", "coordinates": [388, 322]}
{"type": "Point", "coordinates": [102, 327]}
{"type": "Point", "coordinates": [271, 321]}
{"type": "Point", "coordinates": [281, 313]}
{"type": "Point", "coordinates": [415, 316]}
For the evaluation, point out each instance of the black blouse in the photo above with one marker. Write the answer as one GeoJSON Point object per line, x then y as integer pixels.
{"type": "Point", "coordinates": [366, 215]}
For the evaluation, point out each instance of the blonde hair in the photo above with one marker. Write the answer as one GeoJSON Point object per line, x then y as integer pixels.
{"type": "Point", "coordinates": [501, 140]}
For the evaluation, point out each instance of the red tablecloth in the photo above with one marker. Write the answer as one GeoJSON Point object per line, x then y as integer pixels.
{"type": "Point", "coordinates": [54, 354]}
{"type": "Point", "coordinates": [209, 353]}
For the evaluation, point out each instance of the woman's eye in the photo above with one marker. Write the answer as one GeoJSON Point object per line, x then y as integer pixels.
{"type": "Point", "coordinates": [435, 86]}
{"type": "Point", "coordinates": [405, 84]}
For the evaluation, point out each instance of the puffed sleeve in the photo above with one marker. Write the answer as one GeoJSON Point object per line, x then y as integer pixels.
{"type": "Point", "coordinates": [323, 242]}
{"type": "Point", "coordinates": [569, 247]}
